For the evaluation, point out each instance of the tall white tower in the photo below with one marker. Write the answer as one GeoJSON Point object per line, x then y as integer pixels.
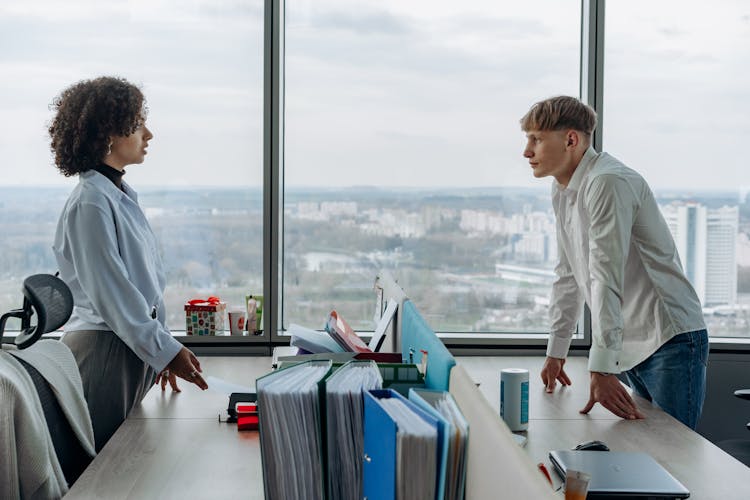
{"type": "Point", "coordinates": [706, 241]}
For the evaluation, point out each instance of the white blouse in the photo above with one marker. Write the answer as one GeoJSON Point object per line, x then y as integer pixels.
{"type": "Point", "coordinates": [108, 256]}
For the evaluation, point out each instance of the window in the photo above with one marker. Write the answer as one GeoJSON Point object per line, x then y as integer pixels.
{"type": "Point", "coordinates": [675, 109]}
{"type": "Point", "coordinates": [403, 151]}
{"type": "Point", "coordinates": [200, 67]}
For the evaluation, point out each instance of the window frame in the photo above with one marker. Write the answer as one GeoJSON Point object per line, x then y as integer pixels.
{"type": "Point", "coordinates": [591, 91]}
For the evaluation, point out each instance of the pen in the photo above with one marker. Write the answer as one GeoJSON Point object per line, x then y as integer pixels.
{"type": "Point", "coordinates": [544, 470]}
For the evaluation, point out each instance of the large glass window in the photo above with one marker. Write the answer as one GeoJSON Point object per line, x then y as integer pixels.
{"type": "Point", "coordinates": [403, 151]}
{"type": "Point", "coordinates": [200, 66]}
{"type": "Point", "coordinates": [675, 109]}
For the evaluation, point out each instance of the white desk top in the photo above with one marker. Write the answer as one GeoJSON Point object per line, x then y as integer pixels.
{"type": "Point", "coordinates": [172, 446]}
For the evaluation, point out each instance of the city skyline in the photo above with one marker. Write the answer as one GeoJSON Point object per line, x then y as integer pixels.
{"type": "Point", "coordinates": [489, 253]}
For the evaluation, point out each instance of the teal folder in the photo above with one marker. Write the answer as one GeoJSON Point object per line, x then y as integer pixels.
{"type": "Point", "coordinates": [417, 336]}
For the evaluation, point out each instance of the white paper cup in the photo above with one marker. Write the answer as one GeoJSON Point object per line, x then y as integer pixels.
{"type": "Point", "coordinates": [236, 320]}
{"type": "Point", "coordinates": [514, 398]}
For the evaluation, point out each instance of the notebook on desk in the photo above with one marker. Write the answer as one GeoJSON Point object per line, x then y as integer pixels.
{"type": "Point", "coordinates": [620, 474]}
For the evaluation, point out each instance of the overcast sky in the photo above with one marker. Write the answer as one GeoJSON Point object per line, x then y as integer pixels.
{"type": "Point", "coordinates": [384, 93]}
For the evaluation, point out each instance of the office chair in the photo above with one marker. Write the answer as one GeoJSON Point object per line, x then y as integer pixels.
{"type": "Point", "coordinates": [738, 448]}
{"type": "Point", "coordinates": [47, 305]}
{"type": "Point", "coordinates": [50, 299]}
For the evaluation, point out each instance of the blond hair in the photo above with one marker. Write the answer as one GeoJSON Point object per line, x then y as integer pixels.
{"type": "Point", "coordinates": [560, 113]}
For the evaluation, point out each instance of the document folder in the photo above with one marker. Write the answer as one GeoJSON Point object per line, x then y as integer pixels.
{"type": "Point", "coordinates": [381, 465]}
{"type": "Point", "coordinates": [417, 336]}
{"type": "Point", "coordinates": [453, 434]}
{"type": "Point", "coordinates": [344, 423]}
{"type": "Point", "coordinates": [291, 444]}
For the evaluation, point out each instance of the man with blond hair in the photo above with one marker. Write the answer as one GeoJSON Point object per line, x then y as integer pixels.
{"type": "Point", "coordinates": [615, 253]}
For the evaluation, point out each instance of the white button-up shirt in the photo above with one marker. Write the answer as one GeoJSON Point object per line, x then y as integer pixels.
{"type": "Point", "coordinates": [617, 254]}
{"type": "Point", "coordinates": [108, 256]}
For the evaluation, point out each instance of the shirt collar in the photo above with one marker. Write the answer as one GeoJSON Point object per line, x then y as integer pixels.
{"type": "Point", "coordinates": [102, 182]}
{"type": "Point", "coordinates": [579, 173]}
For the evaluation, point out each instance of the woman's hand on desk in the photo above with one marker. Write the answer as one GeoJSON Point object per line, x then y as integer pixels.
{"type": "Point", "coordinates": [552, 371]}
{"type": "Point", "coordinates": [607, 390]}
{"type": "Point", "coordinates": [167, 376]}
{"type": "Point", "coordinates": [186, 366]}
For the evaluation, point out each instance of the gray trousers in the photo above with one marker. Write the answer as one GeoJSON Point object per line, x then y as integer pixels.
{"type": "Point", "coordinates": [114, 379]}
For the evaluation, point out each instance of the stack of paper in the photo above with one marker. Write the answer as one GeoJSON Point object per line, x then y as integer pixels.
{"type": "Point", "coordinates": [291, 444]}
{"type": "Point", "coordinates": [345, 426]}
{"type": "Point", "coordinates": [453, 431]}
{"type": "Point", "coordinates": [312, 341]}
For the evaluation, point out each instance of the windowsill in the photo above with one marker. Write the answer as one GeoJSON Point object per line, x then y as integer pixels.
{"type": "Point", "coordinates": [451, 339]}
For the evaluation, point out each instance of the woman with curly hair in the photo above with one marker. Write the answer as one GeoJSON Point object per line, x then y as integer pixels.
{"type": "Point", "coordinates": [107, 254]}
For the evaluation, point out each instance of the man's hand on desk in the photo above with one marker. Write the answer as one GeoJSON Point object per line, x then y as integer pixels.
{"type": "Point", "coordinates": [186, 366]}
{"type": "Point", "coordinates": [552, 371]}
{"type": "Point", "coordinates": [607, 390]}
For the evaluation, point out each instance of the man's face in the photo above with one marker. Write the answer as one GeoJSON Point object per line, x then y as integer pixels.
{"type": "Point", "coordinates": [549, 153]}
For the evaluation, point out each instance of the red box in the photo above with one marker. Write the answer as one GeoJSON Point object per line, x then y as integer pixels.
{"type": "Point", "coordinates": [205, 317]}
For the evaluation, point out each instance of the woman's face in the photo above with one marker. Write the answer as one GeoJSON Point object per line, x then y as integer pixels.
{"type": "Point", "coordinates": [130, 149]}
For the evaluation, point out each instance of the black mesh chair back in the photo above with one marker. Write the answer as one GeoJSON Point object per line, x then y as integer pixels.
{"type": "Point", "coordinates": [47, 305]}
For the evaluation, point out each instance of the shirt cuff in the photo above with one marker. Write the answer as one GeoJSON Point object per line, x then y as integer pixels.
{"type": "Point", "coordinates": [557, 347]}
{"type": "Point", "coordinates": [604, 360]}
{"type": "Point", "coordinates": [160, 361]}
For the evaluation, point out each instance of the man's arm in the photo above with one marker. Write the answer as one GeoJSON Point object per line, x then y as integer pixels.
{"type": "Point", "coordinates": [612, 207]}
{"type": "Point", "coordinates": [565, 309]}
{"type": "Point", "coordinates": [565, 304]}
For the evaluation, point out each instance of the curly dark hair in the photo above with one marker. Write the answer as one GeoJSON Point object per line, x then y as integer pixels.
{"type": "Point", "coordinates": [88, 114]}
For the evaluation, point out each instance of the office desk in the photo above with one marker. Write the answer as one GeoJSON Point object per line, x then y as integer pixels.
{"type": "Point", "coordinates": [172, 446]}
{"type": "Point", "coordinates": [554, 423]}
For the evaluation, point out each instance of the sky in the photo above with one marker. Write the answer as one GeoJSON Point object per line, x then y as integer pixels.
{"type": "Point", "coordinates": [383, 92]}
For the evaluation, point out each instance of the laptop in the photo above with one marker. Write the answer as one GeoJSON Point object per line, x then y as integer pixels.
{"type": "Point", "coordinates": [620, 474]}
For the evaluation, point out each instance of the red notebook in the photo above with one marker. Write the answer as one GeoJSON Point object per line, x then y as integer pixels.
{"type": "Point", "coordinates": [344, 335]}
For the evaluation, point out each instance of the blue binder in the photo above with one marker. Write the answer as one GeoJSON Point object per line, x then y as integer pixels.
{"type": "Point", "coordinates": [379, 481]}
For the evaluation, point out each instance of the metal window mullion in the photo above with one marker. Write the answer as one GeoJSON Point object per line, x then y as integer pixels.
{"type": "Point", "coordinates": [592, 87]}
{"type": "Point", "coordinates": [273, 150]}
{"type": "Point", "coordinates": [592, 61]}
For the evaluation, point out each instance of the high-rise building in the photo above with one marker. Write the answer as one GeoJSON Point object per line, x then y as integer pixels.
{"type": "Point", "coordinates": [706, 242]}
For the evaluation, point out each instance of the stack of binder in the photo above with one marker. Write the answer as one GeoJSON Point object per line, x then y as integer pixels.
{"type": "Point", "coordinates": [290, 431]}
{"type": "Point", "coordinates": [345, 426]}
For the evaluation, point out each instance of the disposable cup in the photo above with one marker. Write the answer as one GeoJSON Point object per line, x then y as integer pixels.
{"type": "Point", "coordinates": [576, 485]}
{"type": "Point", "coordinates": [236, 320]}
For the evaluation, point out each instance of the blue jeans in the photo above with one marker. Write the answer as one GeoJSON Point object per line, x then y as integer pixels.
{"type": "Point", "coordinates": [674, 377]}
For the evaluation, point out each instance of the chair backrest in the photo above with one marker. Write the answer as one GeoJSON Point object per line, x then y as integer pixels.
{"type": "Point", "coordinates": [47, 305]}
{"type": "Point", "coordinates": [70, 453]}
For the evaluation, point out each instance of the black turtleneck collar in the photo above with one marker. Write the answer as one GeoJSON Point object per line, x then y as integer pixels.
{"type": "Point", "coordinates": [111, 173]}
